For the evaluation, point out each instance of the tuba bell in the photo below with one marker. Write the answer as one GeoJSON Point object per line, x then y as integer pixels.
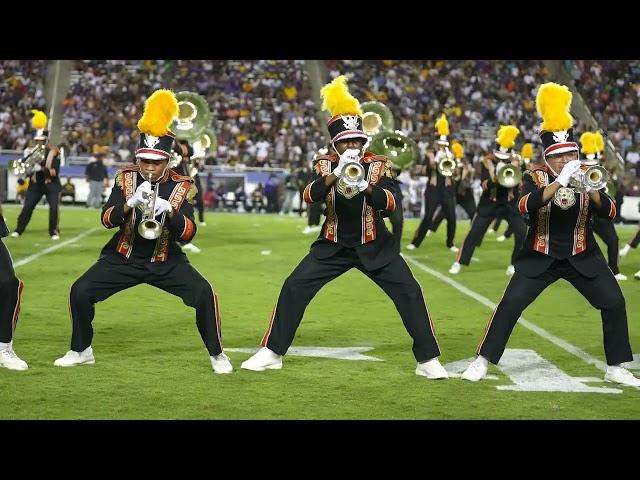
{"type": "Point", "coordinates": [509, 175]}
{"type": "Point", "coordinates": [193, 115]}
{"type": "Point", "coordinates": [593, 177]}
{"type": "Point", "coordinates": [149, 227]}
{"type": "Point", "coordinates": [376, 118]}
{"type": "Point", "coordinates": [401, 150]}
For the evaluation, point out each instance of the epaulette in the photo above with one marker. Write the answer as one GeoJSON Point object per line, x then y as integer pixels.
{"type": "Point", "coordinates": [370, 157]}
{"type": "Point", "coordinates": [332, 157]}
{"type": "Point", "coordinates": [176, 177]}
{"type": "Point", "coordinates": [126, 168]}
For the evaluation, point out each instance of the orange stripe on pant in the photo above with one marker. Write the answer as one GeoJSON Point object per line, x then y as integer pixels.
{"type": "Point", "coordinates": [265, 337]}
{"type": "Point", "coordinates": [16, 310]}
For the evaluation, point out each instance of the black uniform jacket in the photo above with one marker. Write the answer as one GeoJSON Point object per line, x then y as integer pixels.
{"type": "Point", "coordinates": [127, 246]}
{"type": "Point", "coordinates": [556, 233]}
{"type": "Point", "coordinates": [355, 222]}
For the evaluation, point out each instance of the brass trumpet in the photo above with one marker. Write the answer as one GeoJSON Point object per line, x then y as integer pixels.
{"type": "Point", "coordinates": [594, 177]}
{"type": "Point", "coordinates": [149, 227]}
{"type": "Point", "coordinates": [352, 174]}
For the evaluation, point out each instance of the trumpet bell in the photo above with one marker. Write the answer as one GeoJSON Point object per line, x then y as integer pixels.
{"type": "Point", "coordinates": [193, 115]}
{"type": "Point", "coordinates": [149, 229]}
{"type": "Point", "coordinates": [352, 174]}
{"type": "Point", "coordinates": [509, 176]}
{"type": "Point", "coordinates": [401, 150]}
{"type": "Point", "coordinates": [595, 177]}
{"type": "Point", "coordinates": [376, 118]}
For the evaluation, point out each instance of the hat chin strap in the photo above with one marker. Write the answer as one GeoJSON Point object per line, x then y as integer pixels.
{"type": "Point", "coordinates": [549, 167]}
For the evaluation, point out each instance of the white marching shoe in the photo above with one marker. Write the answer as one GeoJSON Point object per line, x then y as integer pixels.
{"type": "Point", "coordinates": [624, 250]}
{"type": "Point", "coordinates": [455, 268]}
{"type": "Point", "coordinates": [411, 246]}
{"type": "Point", "coordinates": [476, 370]}
{"type": "Point", "coordinates": [637, 275]}
{"type": "Point", "coordinates": [454, 249]}
{"type": "Point", "coordinates": [432, 369]}
{"type": "Point", "coordinates": [620, 276]}
{"type": "Point", "coordinates": [262, 360]}
{"type": "Point", "coordinates": [190, 247]}
{"type": "Point", "coordinates": [491, 231]}
{"type": "Point", "coordinates": [429, 232]}
{"type": "Point", "coordinates": [15, 234]}
{"type": "Point", "coordinates": [203, 224]}
{"type": "Point", "coordinates": [621, 375]}
{"type": "Point", "coordinates": [73, 358]}
{"type": "Point", "coordinates": [511, 270]}
{"type": "Point", "coordinates": [501, 238]}
{"type": "Point", "coordinates": [9, 359]}
{"type": "Point", "coordinates": [221, 363]}
{"type": "Point", "coordinates": [55, 237]}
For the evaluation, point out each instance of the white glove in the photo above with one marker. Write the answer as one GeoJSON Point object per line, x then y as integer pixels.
{"type": "Point", "coordinates": [567, 172]}
{"type": "Point", "coordinates": [140, 195]}
{"type": "Point", "coordinates": [37, 167]}
{"type": "Point", "coordinates": [362, 185]}
{"type": "Point", "coordinates": [349, 155]}
{"type": "Point", "coordinates": [162, 206]}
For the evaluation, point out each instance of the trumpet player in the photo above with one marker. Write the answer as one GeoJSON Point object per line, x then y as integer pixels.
{"type": "Point", "coordinates": [560, 244]}
{"type": "Point", "coordinates": [354, 235]}
{"type": "Point", "coordinates": [499, 175]}
{"type": "Point", "coordinates": [441, 189]}
{"type": "Point", "coordinates": [464, 192]}
{"type": "Point", "coordinates": [44, 178]}
{"type": "Point", "coordinates": [151, 206]}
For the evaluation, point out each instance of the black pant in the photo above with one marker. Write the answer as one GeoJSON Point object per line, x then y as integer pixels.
{"type": "Point", "coordinates": [104, 279]}
{"type": "Point", "coordinates": [602, 292]}
{"type": "Point", "coordinates": [480, 224]}
{"type": "Point", "coordinates": [34, 194]}
{"type": "Point", "coordinates": [465, 200]}
{"type": "Point", "coordinates": [10, 296]}
{"type": "Point", "coordinates": [607, 232]}
{"type": "Point", "coordinates": [314, 210]}
{"type": "Point", "coordinates": [433, 197]}
{"type": "Point", "coordinates": [312, 274]}
{"type": "Point", "coordinates": [199, 200]}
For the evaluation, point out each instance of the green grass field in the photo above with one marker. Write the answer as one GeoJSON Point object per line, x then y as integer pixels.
{"type": "Point", "coordinates": [151, 364]}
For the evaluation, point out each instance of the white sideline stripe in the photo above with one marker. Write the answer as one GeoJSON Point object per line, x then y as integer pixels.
{"type": "Point", "coordinates": [53, 248]}
{"type": "Point", "coordinates": [566, 346]}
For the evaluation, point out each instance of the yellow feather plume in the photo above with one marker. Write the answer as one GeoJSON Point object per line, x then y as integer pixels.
{"type": "Point", "coordinates": [588, 142]}
{"type": "Point", "coordinates": [553, 103]}
{"type": "Point", "coordinates": [159, 111]}
{"type": "Point", "coordinates": [527, 151]}
{"type": "Point", "coordinates": [457, 149]}
{"type": "Point", "coordinates": [599, 141]}
{"type": "Point", "coordinates": [507, 136]}
{"type": "Point", "coordinates": [39, 119]}
{"type": "Point", "coordinates": [337, 100]}
{"type": "Point", "coordinates": [442, 125]}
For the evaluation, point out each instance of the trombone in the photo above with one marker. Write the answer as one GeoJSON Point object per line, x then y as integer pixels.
{"type": "Point", "coordinates": [149, 227]}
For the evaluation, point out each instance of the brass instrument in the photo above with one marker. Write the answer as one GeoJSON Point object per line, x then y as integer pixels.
{"type": "Point", "coordinates": [29, 164]}
{"type": "Point", "coordinates": [401, 150]}
{"type": "Point", "coordinates": [376, 118]}
{"type": "Point", "coordinates": [509, 175]}
{"type": "Point", "coordinates": [149, 227]}
{"type": "Point", "coordinates": [193, 115]}
{"type": "Point", "coordinates": [352, 174]}
{"type": "Point", "coordinates": [446, 164]}
{"type": "Point", "coordinates": [205, 143]}
{"type": "Point", "coordinates": [594, 177]}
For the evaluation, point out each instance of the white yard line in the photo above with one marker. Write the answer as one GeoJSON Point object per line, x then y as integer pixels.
{"type": "Point", "coordinates": [566, 346]}
{"type": "Point", "coordinates": [52, 248]}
